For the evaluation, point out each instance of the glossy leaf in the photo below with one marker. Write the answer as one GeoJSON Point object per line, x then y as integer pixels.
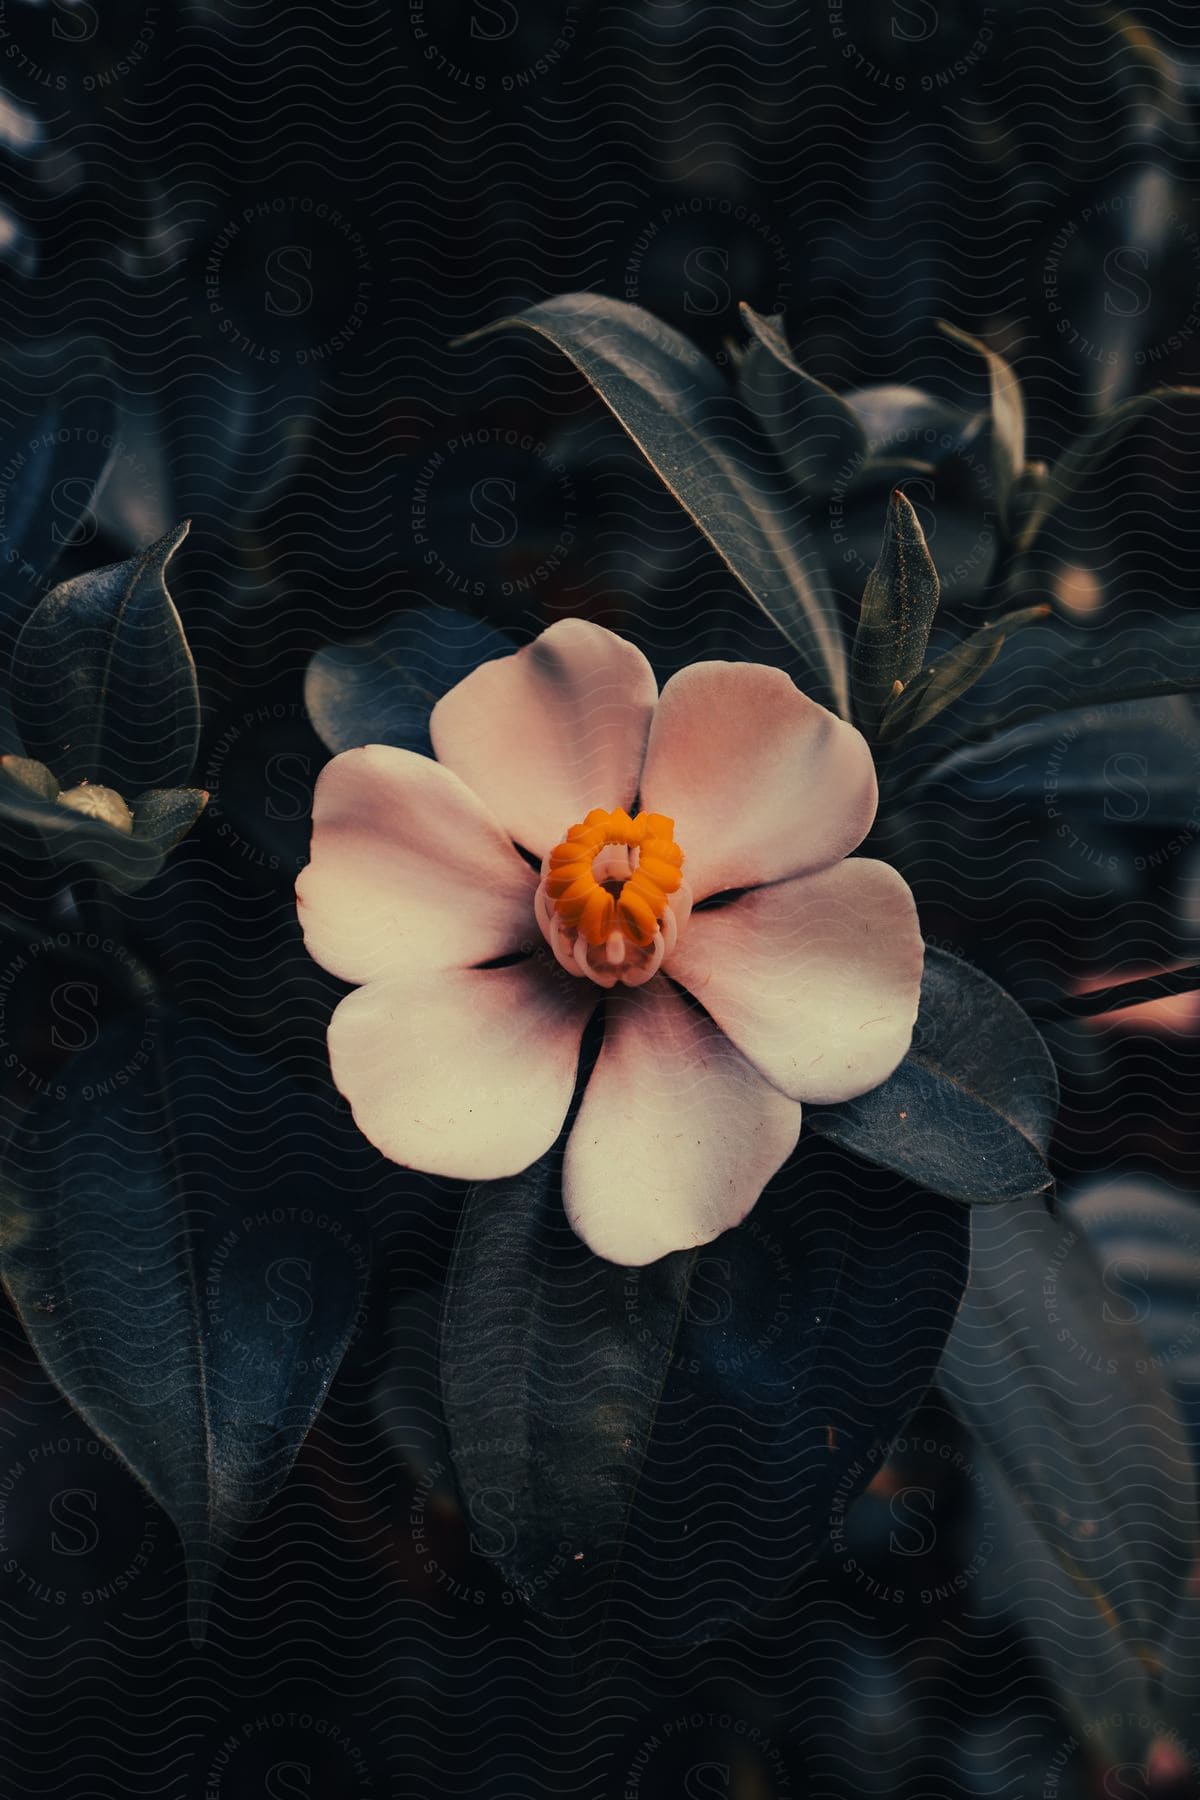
{"type": "Point", "coordinates": [698, 438]}
{"type": "Point", "coordinates": [818, 437]}
{"type": "Point", "coordinates": [898, 607]}
{"type": "Point", "coordinates": [104, 688]}
{"type": "Point", "coordinates": [383, 689]}
{"type": "Point", "coordinates": [957, 670]}
{"type": "Point", "coordinates": [671, 1444]}
{"type": "Point", "coordinates": [1057, 1385]}
{"type": "Point", "coordinates": [1008, 415]}
{"type": "Point", "coordinates": [184, 1268]}
{"type": "Point", "coordinates": [969, 1112]}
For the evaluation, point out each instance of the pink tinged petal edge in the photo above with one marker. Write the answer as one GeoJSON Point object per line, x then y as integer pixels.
{"type": "Point", "coordinates": [545, 735]}
{"type": "Point", "coordinates": [762, 782]}
{"type": "Point", "coordinates": [817, 980]}
{"type": "Point", "coordinates": [408, 871]}
{"type": "Point", "coordinates": [677, 1134]}
{"type": "Point", "coordinates": [467, 1073]}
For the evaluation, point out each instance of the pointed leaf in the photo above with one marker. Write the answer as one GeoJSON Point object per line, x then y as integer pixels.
{"type": "Point", "coordinates": [104, 688]}
{"type": "Point", "coordinates": [898, 607]}
{"type": "Point", "coordinates": [671, 1445]}
{"type": "Point", "coordinates": [383, 689]}
{"type": "Point", "coordinates": [958, 669]}
{"type": "Point", "coordinates": [695, 435]}
{"type": "Point", "coordinates": [969, 1112]}
{"type": "Point", "coordinates": [186, 1275]}
{"type": "Point", "coordinates": [1008, 415]}
{"type": "Point", "coordinates": [164, 816]}
{"type": "Point", "coordinates": [1060, 1388]}
{"type": "Point", "coordinates": [814, 430]}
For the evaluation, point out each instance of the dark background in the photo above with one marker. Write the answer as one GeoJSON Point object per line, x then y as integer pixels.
{"type": "Point", "coordinates": [271, 223]}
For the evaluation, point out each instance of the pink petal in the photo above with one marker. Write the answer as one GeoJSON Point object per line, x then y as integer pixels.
{"type": "Point", "coordinates": [468, 1072]}
{"type": "Point", "coordinates": [817, 980]}
{"type": "Point", "coordinates": [408, 871]}
{"type": "Point", "coordinates": [677, 1135]}
{"type": "Point", "coordinates": [762, 783]}
{"type": "Point", "coordinates": [545, 735]}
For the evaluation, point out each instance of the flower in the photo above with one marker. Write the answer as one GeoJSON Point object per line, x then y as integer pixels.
{"type": "Point", "coordinates": [476, 975]}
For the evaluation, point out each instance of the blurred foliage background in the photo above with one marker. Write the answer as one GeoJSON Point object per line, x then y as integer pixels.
{"type": "Point", "coordinates": [237, 243]}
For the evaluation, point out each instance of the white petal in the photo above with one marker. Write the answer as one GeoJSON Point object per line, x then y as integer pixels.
{"type": "Point", "coordinates": [545, 735]}
{"type": "Point", "coordinates": [817, 980]}
{"type": "Point", "coordinates": [677, 1134]}
{"type": "Point", "coordinates": [762, 783]}
{"type": "Point", "coordinates": [408, 872]}
{"type": "Point", "coordinates": [467, 1073]}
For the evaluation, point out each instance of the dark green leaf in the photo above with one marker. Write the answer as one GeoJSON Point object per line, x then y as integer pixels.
{"type": "Point", "coordinates": [671, 1444]}
{"type": "Point", "coordinates": [970, 1110]}
{"type": "Point", "coordinates": [163, 816]}
{"type": "Point", "coordinates": [816, 434]}
{"type": "Point", "coordinates": [185, 1272]}
{"type": "Point", "coordinates": [1059, 1388]}
{"type": "Point", "coordinates": [898, 607]}
{"type": "Point", "coordinates": [382, 691]}
{"type": "Point", "coordinates": [1069, 666]}
{"type": "Point", "coordinates": [1146, 1238]}
{"type": "Point", "coordinates": [104, 688]}
{"type": "Point", "coordinates": [1060, 767]}
{"type": "Point", "coordinates": [1079, 466]}
{"type": "Point", "coordinates": [698, 438]}
{"type": "Point", "coordinates": [1008, 415]}
{"type": "Point", "coordinates": [957, 670]}
{"type": "Point", "coordinates": [904, 427]}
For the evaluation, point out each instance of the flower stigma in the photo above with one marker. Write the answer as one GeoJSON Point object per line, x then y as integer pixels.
{"type": "Point", "coordinates": [613, 899]}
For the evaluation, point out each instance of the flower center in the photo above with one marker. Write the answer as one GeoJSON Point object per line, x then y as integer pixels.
{"type": "Point", "coordinates": [612, 898]}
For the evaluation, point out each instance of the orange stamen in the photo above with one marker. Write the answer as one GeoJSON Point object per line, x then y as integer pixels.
{"type": "Point", "coordinates": [596, 904]}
